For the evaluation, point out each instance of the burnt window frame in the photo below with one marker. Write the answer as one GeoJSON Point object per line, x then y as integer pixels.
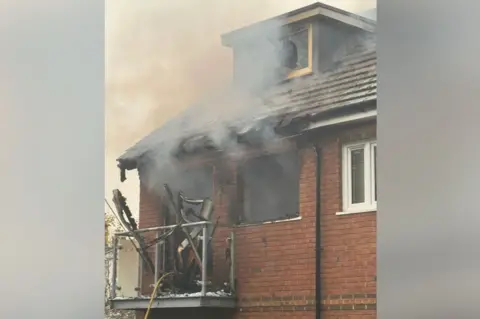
{"type": "Point", "coordinates": [183, 168]}
{"type": "Point", "coordinates": [242, 186]}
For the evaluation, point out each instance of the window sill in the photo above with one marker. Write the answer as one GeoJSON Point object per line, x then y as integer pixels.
{"type": "Point", "coordinates": [270, 222]}
{"type": "Point", "coordinates": [357, 211]}
{"type": "Point", "coordinates": [300, 72]}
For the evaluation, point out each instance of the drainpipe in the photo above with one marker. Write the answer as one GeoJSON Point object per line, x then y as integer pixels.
{"type": "Point", "coordinates": [318, 238]}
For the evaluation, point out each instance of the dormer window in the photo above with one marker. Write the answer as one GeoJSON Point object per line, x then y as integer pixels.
{"type": "Point", "coordinates": [296, 50]}
{"type": "Point", "coordinates": [298, 43]}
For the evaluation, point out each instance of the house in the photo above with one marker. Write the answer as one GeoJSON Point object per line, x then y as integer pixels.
{"type": "Point", "coordinates": [289, 194]}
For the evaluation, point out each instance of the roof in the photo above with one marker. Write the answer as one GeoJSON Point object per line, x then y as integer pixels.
{"type": "Point", "coordinates": [351, 83]}
{"type": "Point", "coordinates": [315, 9]}
{"type": "Point", "coordinates": [370, 14]}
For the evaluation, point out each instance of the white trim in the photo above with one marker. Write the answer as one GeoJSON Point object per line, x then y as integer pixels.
{"type": "Point", "coordinates": [339, 16]}
{"type": "Point", "coordinates": [370, 203]}
{"type": "Point", "coordinates": [344, 119]}
{"type": "Point", "coordinates": [360, 211]}
{"type": "Point", "coordinates": [231, 38]}
{"type": "Point", "coordinates": [373, 146]}
{"type": "Point", "coordinates": [348, 19]}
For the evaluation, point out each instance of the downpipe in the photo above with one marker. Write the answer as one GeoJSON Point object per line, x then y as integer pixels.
{"type": "Point", "coordinates": [318, 237]}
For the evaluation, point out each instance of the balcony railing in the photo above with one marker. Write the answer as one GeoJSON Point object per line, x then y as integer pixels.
{"type": "Point", "coordinates": [139, 273]}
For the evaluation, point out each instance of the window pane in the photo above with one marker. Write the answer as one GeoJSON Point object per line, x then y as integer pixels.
{"type": "Point", "coordinates": [375, 170]}
{"type": "Point", "coordinates": [271, 187]}
{"type": "Point", "coordinates": [295, 49]}
{"type": "Point", "coordinates": [193, 182]}
{"type": "Point", "coordinates": [300, 39]}
{"type": "Point", "coordinates": [358, 176]}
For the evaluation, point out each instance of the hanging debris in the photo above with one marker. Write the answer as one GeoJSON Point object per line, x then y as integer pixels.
{"type": "Point", "coordinates": [126, 218]}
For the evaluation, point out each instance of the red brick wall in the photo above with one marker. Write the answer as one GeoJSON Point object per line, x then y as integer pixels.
{"type": "Point", "coordinates": [276, 262]}
{"type": "Point", "coordinates": [148, 217]}
{"type": "Point", "coordinates": [348, 265]}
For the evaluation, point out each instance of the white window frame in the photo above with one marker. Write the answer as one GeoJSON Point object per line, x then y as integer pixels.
{"type": "Point", "coordinates": [370, 203]}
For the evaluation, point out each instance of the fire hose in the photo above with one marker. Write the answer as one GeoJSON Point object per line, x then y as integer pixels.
{"type": "Point", "coordinates": [154, 293]}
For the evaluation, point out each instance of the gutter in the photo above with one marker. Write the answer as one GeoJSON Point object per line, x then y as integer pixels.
{"type": "Point", "coordinates": [126, 164]}
{"type": "Point", "coordinates": [318, 237]}
{"type": "Point", "coordinates": [368, 115]}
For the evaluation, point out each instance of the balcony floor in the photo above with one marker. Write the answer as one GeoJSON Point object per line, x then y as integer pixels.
{"type": "Point", "coordinates": [175, 301]}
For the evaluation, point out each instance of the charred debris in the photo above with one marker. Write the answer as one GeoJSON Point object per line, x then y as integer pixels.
{"type": "Point", "coordinates": [181, 262]}
{"type": "Point", "coordinates": [183, 254]}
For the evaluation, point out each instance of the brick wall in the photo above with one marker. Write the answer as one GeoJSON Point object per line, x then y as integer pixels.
{"type": "Point", "coordinates": [276, 262]}
{"type": "Point", "coordinates": [348, 265]}
{"type": "Point", "coordinates": [148, 217]}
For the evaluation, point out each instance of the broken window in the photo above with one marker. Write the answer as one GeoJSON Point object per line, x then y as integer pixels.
{"type": "Point", "coordinates": [270, 188]}
{"type": "Point", "coordinates": [295, 49]}
{"type": "Point", "coordinates": [299, 37]}
{"type": "Point", "coordinates": [194, 182]}
{"type": "Point", "coordinates": [197, 184]}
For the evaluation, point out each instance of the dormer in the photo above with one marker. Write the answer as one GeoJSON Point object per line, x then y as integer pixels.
{"type": "Point", "coordinates": [306, 41]}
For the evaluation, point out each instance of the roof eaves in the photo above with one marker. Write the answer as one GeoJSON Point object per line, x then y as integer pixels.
{"type": "Point", "coordinates": [316, 9]}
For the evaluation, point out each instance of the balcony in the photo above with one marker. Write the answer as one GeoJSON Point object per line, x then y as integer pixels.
{"type": "Point", "coordinates": [173, 266]}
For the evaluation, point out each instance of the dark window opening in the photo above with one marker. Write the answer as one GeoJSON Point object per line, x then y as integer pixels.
{"type": "Point", "coordinates": [289, 55]}
{"type": "Point", "coordinates": [195, 183]}
{"type": "Point", "coordinates": [294, 49]}
{"type": "Point", "coordinates": [270, 188]}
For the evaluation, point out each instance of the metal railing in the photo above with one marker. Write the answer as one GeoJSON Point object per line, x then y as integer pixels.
{"type": "Point", "coordinates": [157, 260]}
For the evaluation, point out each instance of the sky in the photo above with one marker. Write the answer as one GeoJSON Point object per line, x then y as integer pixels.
{"type": "Point", "coordinates": [161, 56]}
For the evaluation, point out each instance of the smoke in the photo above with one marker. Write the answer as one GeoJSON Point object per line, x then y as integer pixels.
{"type": "Point", "coordinates": [164, 56]}
{"type": "Point", "coordinates": [161, 56]}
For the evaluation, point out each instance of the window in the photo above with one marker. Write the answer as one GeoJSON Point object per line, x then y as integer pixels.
{"type": "Point", "coordinates": [296, 50]}
{"type": "Point", "coordinates": [270, 188]}
{"type": "Point", "coordinates": [196, 183]}
{"type": "Point", "coordinates": [360, 177]}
